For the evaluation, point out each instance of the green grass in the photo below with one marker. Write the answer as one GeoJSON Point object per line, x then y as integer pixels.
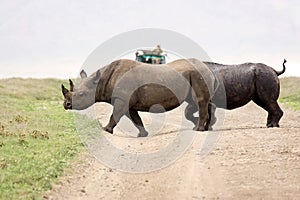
{"type": "Point", "coordinates": [290, 92]}
{"type": "Point", "coordinates": [38, 138]}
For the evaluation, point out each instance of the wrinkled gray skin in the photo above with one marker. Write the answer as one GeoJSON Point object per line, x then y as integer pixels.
{"type": "Point", "coordinates": [132, 86]}
{"type": "Point", "coordinates": [245, 82]}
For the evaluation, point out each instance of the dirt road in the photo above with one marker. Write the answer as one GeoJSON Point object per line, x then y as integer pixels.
{"type": "Point", "coordinates": [248, 161]}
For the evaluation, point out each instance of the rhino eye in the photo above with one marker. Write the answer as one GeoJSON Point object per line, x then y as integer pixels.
{"type": "Point", "coordinates": [80, 93]}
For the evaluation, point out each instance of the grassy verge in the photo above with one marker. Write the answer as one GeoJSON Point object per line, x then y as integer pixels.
{"type": "Point", "coordinates": [38, 138]}
{"type": "Point", "coordinates": [290, 92]}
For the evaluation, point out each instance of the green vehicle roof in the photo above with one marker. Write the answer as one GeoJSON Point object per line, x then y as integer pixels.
{"type": "Point", "coordinates": [151, 56]}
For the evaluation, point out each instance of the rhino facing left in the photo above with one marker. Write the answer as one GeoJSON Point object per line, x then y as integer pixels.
{"type": "Point", "coordinates": [130, 86]}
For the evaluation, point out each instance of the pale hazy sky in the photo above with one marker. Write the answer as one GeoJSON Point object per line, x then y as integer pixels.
{"type": "Point", "coordinates": [53, 38]}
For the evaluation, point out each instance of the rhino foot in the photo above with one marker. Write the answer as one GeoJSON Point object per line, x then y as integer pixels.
{"type": "Point", "coordinates": [200, 128]}
{"type": "Point", "coordinates": [208, 127]}
{"type": "Point", "coordinates": [272, 125]}
{"type": "Point", "coordinates": [143, 134]}
{"type": "Point", "coordinates": [213, 120]}
{"type": "Point", "coordinates": [108, 129]}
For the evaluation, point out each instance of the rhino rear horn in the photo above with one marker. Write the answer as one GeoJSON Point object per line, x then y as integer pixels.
{"type": "Point", "coordinates": [64, 90]}
{"type": "Point", "coordinates": [71, 85]}
{"type": "Point", "coordinates": [83, 74]}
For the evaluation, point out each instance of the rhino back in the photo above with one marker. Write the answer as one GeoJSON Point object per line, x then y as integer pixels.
{"type": "Point", "coordinates": [245, 82]}
{"type": "Point", "coordinates": [147, 85]}
{"type": "Point", "coordinates": [167, 84]}
{"type": "Point", "coordinates": [238, 82]}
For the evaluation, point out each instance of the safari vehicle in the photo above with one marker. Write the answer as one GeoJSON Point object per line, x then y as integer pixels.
{"type": "Point", "coordinates": [148, 56]}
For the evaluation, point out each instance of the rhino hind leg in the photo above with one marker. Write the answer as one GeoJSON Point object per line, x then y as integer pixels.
{"type": "Point", "coordinates": [274, 112]}
{"type": "Point", "coordinates": [266, 96]}
{"type": "Point", "coordinates": [134, 116]}
{"type": "Point", "coordinates": [189, 113]}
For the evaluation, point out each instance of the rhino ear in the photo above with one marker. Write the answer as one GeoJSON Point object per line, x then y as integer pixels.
{"type": "Point", "coordinates": [97, 77]}
{"type": "Point", "coordinates": [83, 74]}
{"type": "Point", "coordinates": [64, 90]}
{"type": "Point", "coordinates": [71, 85]}
{"type": "Point", "coordinates": [98, 74]}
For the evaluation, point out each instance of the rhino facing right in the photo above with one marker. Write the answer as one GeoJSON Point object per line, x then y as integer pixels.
{"type": "Point", "coordinates": [243, 83]}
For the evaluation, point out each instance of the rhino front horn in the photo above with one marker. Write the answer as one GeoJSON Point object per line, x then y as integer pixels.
{"type": "Point", "coordinates": [64, 90]}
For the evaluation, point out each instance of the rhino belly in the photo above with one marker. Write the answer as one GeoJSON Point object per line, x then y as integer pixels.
{"type": "Point", "coordinates": [157, 99]}
{"type": "Point", "coordinates": [237, 94]}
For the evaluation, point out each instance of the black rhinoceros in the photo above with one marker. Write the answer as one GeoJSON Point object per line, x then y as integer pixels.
{"type": "Point", "coordinates": [132, 86]}
{"type": "Point", "coordinates": [243, 83]}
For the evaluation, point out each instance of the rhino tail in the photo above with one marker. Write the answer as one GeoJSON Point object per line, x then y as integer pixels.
{"type": "Point", "coordinates": [283, 70]}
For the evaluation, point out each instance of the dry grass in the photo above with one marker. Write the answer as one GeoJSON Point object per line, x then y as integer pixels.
{"type": "Point", "coordinates": [289, 86]}
{"type": "Point", "coordinates": [290, 91]}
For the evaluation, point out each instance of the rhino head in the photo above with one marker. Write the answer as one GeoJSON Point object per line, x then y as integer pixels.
{"type": "Point", "coordinates": [83, 96]}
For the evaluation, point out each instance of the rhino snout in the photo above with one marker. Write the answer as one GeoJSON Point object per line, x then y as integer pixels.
{"type": "Point", "coordinates": [67, 105]}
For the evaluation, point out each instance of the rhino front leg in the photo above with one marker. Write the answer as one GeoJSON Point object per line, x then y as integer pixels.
{"type": "Point", "coordinates": [212, 110]}
{"type": "Point", "coordinates": [119, 110]}
{"type": "Point", "coordinates": [211, 116]}
{"type": "Point", "coordinates": [137, 121]}
{"type": "Point", "coordinates": [203, 116]}
{"type": "Point", "coordinates": [111, 124]}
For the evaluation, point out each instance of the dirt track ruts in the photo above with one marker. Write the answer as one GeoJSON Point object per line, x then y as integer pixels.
{"type": "Point", "coordinates": [248, 161]}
